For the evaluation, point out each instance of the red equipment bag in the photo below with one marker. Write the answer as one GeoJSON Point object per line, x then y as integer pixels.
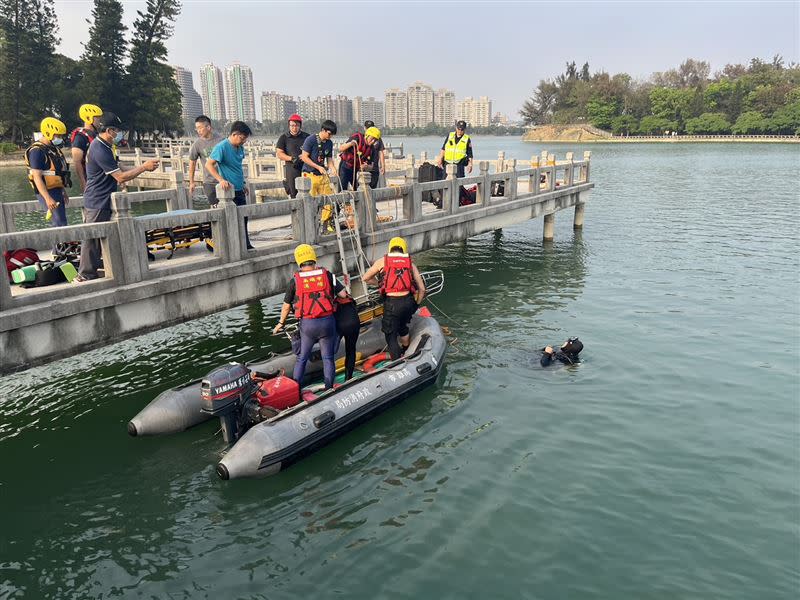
{"type": "Point", "coordinates": [278, 392]}
{"type": "Point", "coordinates": [16, 259]}
{"type": "Point", "coordinates": [467, 195]}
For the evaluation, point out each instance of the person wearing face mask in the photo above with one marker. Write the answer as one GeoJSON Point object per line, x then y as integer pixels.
{"type": "Point", "coordinates": [103, 174]}
{"type": "Point", "coordinates": [48, 172]}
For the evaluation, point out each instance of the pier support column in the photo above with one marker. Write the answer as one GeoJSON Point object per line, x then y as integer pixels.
{"type": "Point", "coordinates": [549, 227]}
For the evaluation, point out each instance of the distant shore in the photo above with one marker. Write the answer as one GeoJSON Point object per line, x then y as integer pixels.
{"type": "Point", "coordinates": [586, 134]}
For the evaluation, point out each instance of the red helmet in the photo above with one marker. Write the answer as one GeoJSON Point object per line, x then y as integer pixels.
{"type": "Point", "coordinates": [297, 118]}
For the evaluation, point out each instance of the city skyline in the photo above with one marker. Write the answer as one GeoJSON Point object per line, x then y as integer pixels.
{"type": "Point", "coordinates": [509, 52]}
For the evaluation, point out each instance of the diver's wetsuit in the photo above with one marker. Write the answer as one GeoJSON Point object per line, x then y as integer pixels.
{"type": "Point", "coordinates": [564, 357]}
{"type": "Point", "coordinates": [348, 327]}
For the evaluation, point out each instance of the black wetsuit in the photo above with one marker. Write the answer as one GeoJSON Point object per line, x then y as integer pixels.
{"type": "Point", "coordinates": [348, 327]}
{"type": "Point", "coordinates": [564, 357]}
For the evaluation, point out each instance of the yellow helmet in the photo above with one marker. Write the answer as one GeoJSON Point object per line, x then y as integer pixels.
{"type": "Point", "coordinates": [304, 253]}
{"type": "Point", "coordinates": [51, 127]}
{"type": "Point", "coordinates": [399, 242]}
{"type": "Point", "coordinates": [373, 132]}
{"type": "Point", "coordinates": [87, 112]}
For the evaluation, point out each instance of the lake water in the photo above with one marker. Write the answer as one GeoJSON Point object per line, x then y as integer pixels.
{"type": "Point", "coordinates": [665, 465]}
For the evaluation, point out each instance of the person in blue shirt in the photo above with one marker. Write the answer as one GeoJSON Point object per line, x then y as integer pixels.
{"type": "Point", "coordinates": [225, 165]}
{"type": "Point", "coordinates": [317, 157]}
{"type": "Point", "coordinates": [103, 173]}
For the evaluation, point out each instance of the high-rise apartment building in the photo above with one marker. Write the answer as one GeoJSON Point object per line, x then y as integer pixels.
{"type": "Point", "coordinates": [444, 107]}
{"type": "Point", "coordinates": [212, 92]}
{"type": "Point", "coordinates": [420, 104]}
{"type": "Point", "coordinates": [368, 110]}
{"type": "Point", "coordinates": [277, 107]}
{"type": "Point", "coordinates": [396, 105]}
{"type": "Point", "coordinates": [239, 94]}
{"type": "Point", "coordinates": [477, 113]}
{"type": "Point", "coordinates": [336, 108]}
{"type": "Point", "coordinates": [191, 102]}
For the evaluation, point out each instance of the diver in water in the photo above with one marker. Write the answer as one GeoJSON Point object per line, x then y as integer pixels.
{"type": "Point", "coordinates": [567, 354]}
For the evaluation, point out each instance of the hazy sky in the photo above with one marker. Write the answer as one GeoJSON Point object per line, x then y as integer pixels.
{"type": "Point", "coordinates": [496, 49]}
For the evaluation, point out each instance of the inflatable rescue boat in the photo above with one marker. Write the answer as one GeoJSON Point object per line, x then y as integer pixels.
{"type": "Point", "coordinates": [270, 421]}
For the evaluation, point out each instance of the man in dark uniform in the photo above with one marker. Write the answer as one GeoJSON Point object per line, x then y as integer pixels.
{"type": "Point", "coordinates": [457, 150]}
{"type": "Point", "coordinates": [567, 354]}
{"type": "Point", "coordinates": [288, 149]}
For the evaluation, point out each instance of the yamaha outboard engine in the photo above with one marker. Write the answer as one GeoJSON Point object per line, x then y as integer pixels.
{"type": "Point", "coordinates": [225, 391]}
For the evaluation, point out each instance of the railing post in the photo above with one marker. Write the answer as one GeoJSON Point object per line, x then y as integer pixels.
{"type": "Point", "coordinates": [182, 199]}
{"type": "Point", "coordinates": [511, 188]}
{"type": "Point", "coordinates": [178, 166]}
{"type": "Point", "coordinates": [233, 234]}
{"type": "Point", "coordinates": [304, 227]}
{"type": "Point", "coordinates": [551, 179]}
{"type": "Point", "coordinates": [587, 157]}
{"type": "Point", "coordinates": [452, 202]}
{"type": "Point", "coordinates": [6, 300]}
{"type": "Point", "coordinates": [128, 254]}
{"type": "Point", "coordinates": [423, 157]}
{"type": "Point", "coordinates": [484, 187]}
{"type": "Point", "coordinates": [137, 157]}
{"type": "Point", "coordinates": [501, 161]}
{"type": "Point", "coordinates": [568, 172]}
{"type": "Point", "coordinates": [6, 220]}
{"type": "Point", "coordinates": [412, 203]}
{"type": "Point", "coordinates": [161, 162]}
{"type": "Point", "coordinates": [533, 180]}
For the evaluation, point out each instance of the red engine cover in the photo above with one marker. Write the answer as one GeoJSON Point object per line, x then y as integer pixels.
{"type": "Point", "coordinates": [279, 392]}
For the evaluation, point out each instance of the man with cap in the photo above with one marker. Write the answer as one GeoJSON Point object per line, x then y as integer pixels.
{"type": "Point", "coordinates": [378, 161]}
{"type": "Point", "coordinates": [288, 149]}
{"type": "Point", "coordinates": [356, 155]}
{"type": "Point", "coordinates": [103, 173]}
{"type": "Point", "coordinates": [457, 150]}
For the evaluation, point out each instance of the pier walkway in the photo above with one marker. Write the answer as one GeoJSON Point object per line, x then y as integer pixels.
{"type": "Point", "coordinates": [137, 295]}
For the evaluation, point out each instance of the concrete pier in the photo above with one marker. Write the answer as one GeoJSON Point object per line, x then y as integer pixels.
{"type": "Point", "coordinates": [138, 295]}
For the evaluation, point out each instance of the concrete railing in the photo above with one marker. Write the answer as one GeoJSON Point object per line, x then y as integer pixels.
{"type": "Point", "coordinates": [123, 239]}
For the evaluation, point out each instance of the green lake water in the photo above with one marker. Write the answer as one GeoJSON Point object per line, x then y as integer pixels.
{"type": "Point", "coordinates": [665, 465]}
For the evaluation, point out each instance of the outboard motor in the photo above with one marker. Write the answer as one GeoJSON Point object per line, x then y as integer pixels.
{"type": "Point", "coordinates": [225, 391]}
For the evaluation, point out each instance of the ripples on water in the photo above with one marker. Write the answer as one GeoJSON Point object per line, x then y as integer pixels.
{"type": "Point", "coordinates": [664, 465]}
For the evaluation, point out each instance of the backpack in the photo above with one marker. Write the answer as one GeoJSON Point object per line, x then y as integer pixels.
{"type": "Point", "coordinates": [430, 172]}
{"type": "Point", "coordinates": [16, 259]}
{"type": "Point", "coordinates": [467, 195]}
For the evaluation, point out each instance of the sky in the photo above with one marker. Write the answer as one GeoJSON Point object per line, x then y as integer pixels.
{"type": "Point", "coordinates": [496, 49]}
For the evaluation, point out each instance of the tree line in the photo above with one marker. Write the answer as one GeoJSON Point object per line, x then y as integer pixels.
{"type": "Point", "coordinates": [762, 97]}
{"type": "Point", "coordinates": [124, 74]}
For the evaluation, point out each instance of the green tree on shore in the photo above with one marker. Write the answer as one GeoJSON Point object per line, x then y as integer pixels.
{"type": "Point", "coordinates": [28, 36]}
{"type": "Point", "coordinates": [687, 99]}
{"type": "Point", "coordinates": [156, 105]}
{"type": "Point", "coordinates": [104, 52]}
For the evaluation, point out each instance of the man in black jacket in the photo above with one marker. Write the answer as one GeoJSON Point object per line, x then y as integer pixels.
{"type": "Point", "coordinates": [288, 149]}
{"type": "Point", "coordinates": [567, 354]}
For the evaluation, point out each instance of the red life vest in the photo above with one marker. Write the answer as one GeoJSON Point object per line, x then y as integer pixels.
{"type": "Point", "coordinates": [86, 132]}
{"type": "Point", "coordinates": [314, 294]}
{"type": "Point", "coordinates": [398, 274]}
{"type": "Point", "coordinates": [361, 149]}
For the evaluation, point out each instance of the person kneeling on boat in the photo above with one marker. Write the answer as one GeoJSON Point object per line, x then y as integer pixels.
{"type": "Point", "coordinates": [567, 354]}
{"type": "Point", "coordinates": [402, 290]}
{"type": "Point", "coordinates": [312, 290]}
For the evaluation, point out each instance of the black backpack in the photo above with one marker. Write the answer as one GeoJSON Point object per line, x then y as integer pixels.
{"type": "Point", "coordinates": [429, 172]}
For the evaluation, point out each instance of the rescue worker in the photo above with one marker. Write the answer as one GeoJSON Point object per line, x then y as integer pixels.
{"type": "Point", "coordinates": [288, 149]}
{"type": "Point", "coordinates": [317, 156]}
{"type": "Point", "coordinates": [378, 158]}
{"type": "Point", "coordinates": [348, 326]}
{"type": "Point", "coordinates": [312, 290]}
{"type": "Point", "coordinates": [48, 172]}
{"type": "Point", "coordinates": [567, 354]}
{"type": "Point", "coordinates": [402, 289]}
{"type": "Point", "coordinates": [457, 150]}
{"type": "Point", "coordinates": [82, 137]}
{"type": "Point", "coordinates": [356, 155]}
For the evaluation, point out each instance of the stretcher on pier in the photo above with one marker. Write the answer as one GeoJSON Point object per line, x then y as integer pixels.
{"type": "Point", "coordinates": [182, 236]}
